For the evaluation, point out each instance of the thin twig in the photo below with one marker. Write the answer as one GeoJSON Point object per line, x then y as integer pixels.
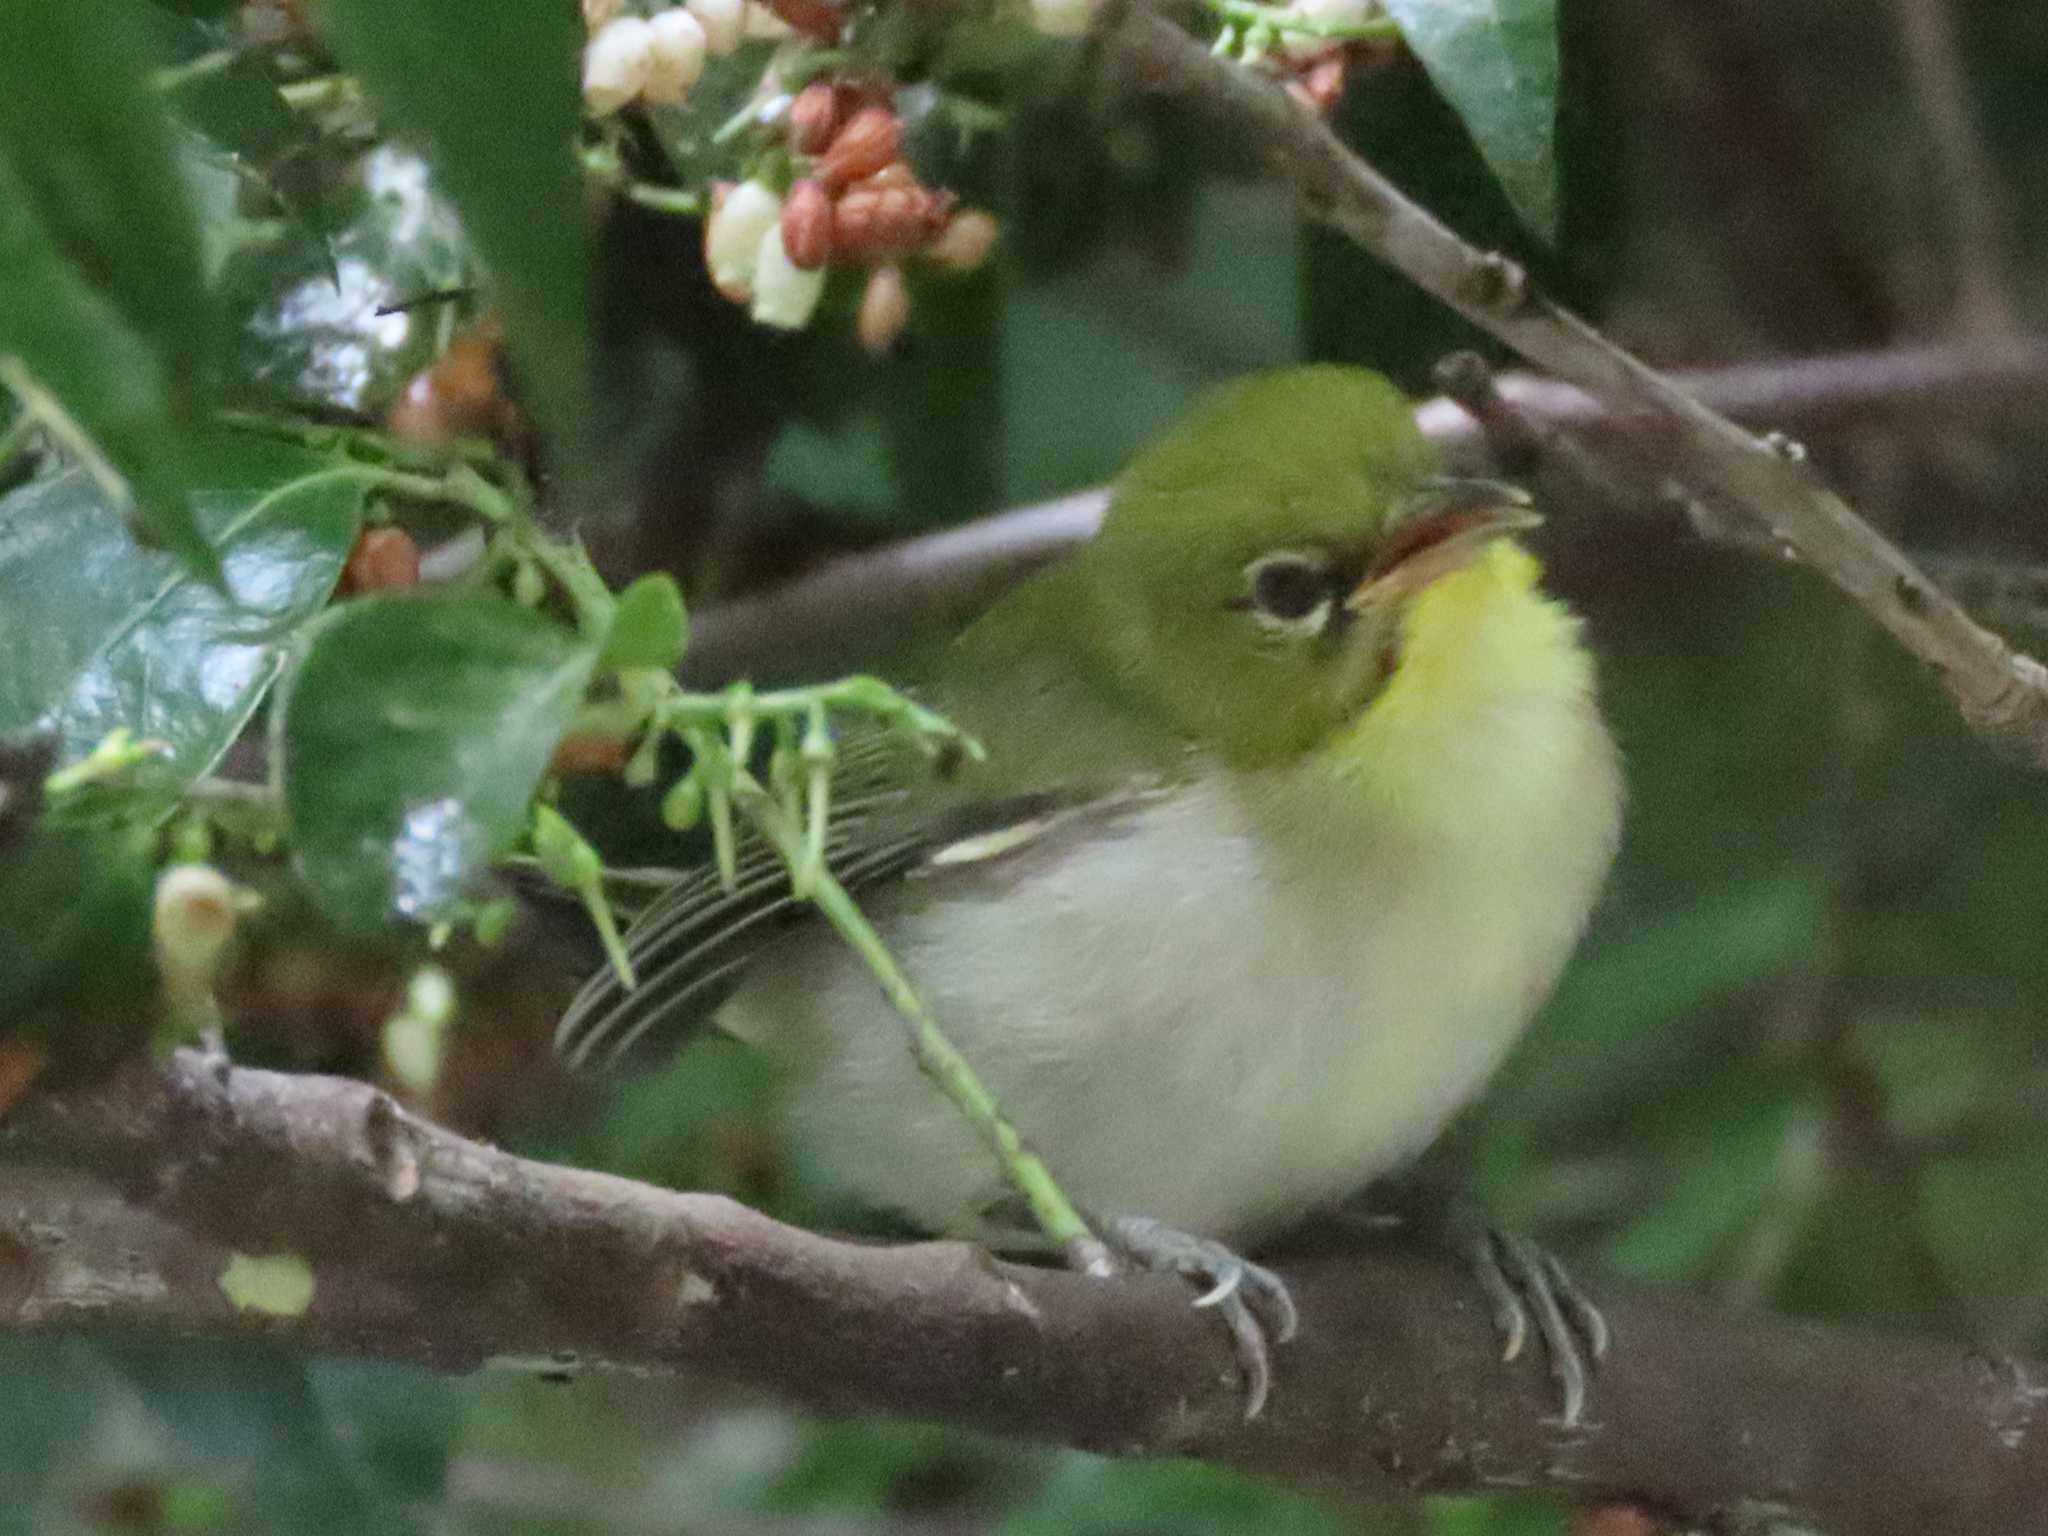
{"type": "Point", "coordinates": [863, 604]}
{"type": "Point", "coordinates": [2001, 693]}
{"type": "Point", "coordinates": [935, 1055]}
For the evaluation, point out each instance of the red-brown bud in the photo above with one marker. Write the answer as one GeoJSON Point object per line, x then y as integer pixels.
{"type": "Point", "coordinates": [868, 142]}
{"type": "Point", "coordinates": [883, 218]}
{"type": "Point", "coordinates": [814, 117]}
{"type": "Point", "coordinates": [814, 18]}
{"type": "Point", "coordinates": [807, 225]}
{"type": "Point", "coordinates": [384, 560]}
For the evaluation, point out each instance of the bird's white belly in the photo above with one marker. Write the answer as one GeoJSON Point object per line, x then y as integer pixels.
{"type": "Point", "coordinates": [1219, 1032]}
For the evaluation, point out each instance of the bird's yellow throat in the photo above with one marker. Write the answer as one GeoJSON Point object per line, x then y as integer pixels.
{"type": "Point", "coordinates": [1486, 660]}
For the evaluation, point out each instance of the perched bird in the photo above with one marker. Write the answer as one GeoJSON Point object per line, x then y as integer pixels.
{"type": "Point", "coordinates": [1295, 801]}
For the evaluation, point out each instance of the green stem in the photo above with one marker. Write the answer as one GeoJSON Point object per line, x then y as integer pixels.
{"type": "Point", "coordinates": [865, 695]}
{"type": "Point", "coordinates": [321, 93]}
{"type": "Point", "coordinates": [173, 77]}
{"type": "Point", "coordinates": [461, 486]}
{"type": "Point", "coordinates": [1279, 18]}
{"type": "Point", "coordinates": [359, 442]}
{"type": "Point", "coordinates": [937, 1059]}
{"type": "Point", "coordinates": [42, 407]}
{"type": "Point", "coordinates": [934, 1054]}
{"type": "Point", "coordinates": [662, 199]}
{"type": "Point", "coordinates": [598, 904]}
{"type": "Point", "coordinates": [602, 164]}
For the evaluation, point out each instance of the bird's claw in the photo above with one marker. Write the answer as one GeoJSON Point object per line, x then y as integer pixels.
{"type": "Point", "coordinates": [1522, 1279]}
{"type": "Point", "coordinates": [1253, 1302]}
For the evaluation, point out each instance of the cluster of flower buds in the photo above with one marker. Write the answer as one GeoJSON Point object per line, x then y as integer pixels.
{"type": "Point", "coordinates": [860, 202]}
{"type": "Point", "coordinates": [654, 58]}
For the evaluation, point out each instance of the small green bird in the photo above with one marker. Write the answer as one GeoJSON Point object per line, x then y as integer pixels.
{"type": "Point", "coordinates": [1295, 802]}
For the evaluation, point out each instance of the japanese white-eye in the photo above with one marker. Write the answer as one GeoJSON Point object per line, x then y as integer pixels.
{"type": "Point", "coordinates": [1295, 802]}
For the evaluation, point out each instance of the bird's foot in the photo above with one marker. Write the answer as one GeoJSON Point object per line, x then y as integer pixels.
{"type": "Point", "coordinates": [1252, 1301]}
{"type": "Point", "coordinates": [1523, 1280]}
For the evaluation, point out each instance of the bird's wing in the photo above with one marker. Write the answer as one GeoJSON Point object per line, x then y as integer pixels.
{"type": "Point", "coordinates": [692, 943]}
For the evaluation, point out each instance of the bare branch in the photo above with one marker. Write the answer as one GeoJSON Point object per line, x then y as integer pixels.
{"type": "Point", "coordinates": [124, 1203]}
{"type": "Point", "coordinates": [2001, 693]}
{"type": "Point", "coordinates": [865, 605]}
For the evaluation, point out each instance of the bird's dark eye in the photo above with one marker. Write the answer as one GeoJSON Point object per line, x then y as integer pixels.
{"type": "Point", "coordinates": [1290, 591]}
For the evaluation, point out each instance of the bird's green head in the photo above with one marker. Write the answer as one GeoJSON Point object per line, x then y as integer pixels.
{"type": "Point", "coordinates": [1256, 570]}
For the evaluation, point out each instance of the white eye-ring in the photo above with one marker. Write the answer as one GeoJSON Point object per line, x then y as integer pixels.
{"type": "Point", "coordinates": [1290, 593]}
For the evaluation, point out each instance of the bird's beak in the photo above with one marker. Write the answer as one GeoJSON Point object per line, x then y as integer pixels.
{"type": "Point", "coordinates": [1440, 532]}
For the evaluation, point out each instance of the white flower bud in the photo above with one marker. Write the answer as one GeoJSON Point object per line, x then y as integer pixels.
{"type": "Point", "coordinates": [597, 12]}
{"type": "Point", "coordinates": [1063, 18]}
{"type": "Point", "coordinates": [733, 237]}
{"type": "Point", "coordinates": [884, 311]}
{"type": "Point", "coordinates": [764, 25]}
{"type": "Point", "coordinates": [196, 907]}
{"type": "Point", "coordinates": [675, 57]}
{"type": "Point", "coordinates": [722, 20]}
{"type": "Point", "coordinates": [615, 64]}
{"type": "Point", "coordinates": [784, 293]}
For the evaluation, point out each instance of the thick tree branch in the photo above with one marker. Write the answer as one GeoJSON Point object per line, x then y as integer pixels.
{"type": "Point", "coordinates": [865, 604]}
{"type": "Point", "coordinates": [2001, 693]}
{"type": "Point", "coordinates": [122, 1204]}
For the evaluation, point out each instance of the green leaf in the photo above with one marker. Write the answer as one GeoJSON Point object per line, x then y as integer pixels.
{"type": "Point", "coordinates": [1615, 1013]}
{"type": "Point", "coordinates": [252, 1421]}
{"type": "Point", "coordinates": [224, 93]}
{"type": "Point", "coordinates": [1496, 63]}
{"type": "Point", "coordinates": [1093, 1496]}
{"type": "Point", "coordinates": [74, 940]}
{"type": "Point", "coordinates": [43, 1434]}
{"type": "Point", "coordinates": [92, 148]}
{"type": "Point", "coordinates": [318, 328]}
{"type": "Point", "coordinates": [99, 633]}
{"type": "Point", "coordinates": [218, 86]}
{"type": "Point", "coordinates": [493, 92]}
{"type": "Point", "coordinates": [92, 381]}
{"type": "Point", "coordinates": [411, 734]}
{"type": "Point", "coordinates": [649, 626]}
{"type": "Point", "coordinates": [1747, 1154]}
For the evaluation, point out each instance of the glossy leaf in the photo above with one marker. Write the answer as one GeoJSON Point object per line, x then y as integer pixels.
{"type": "Point", "coordinates": [100, 633]}
{"type": "Point", "coordinates": [1496, 62]}
{"type": "Point", "coordinates": [328, 327]}
{"type": "Point", "coordinates": [493, 94]}
{"type": "Point", "coordinates": [411, 734]}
